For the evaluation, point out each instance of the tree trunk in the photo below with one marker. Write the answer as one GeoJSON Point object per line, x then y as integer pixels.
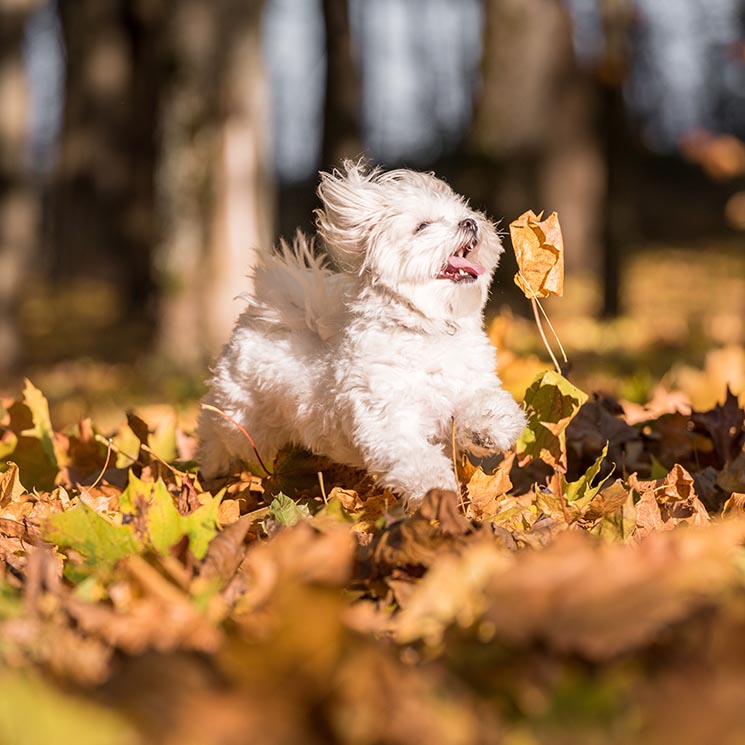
{"type": "Point", "coordinates": [103, 194]}
{"type": "Point", "coordinates": [341, 122]}
{"type": "Point", "coordinates": [18, 200]}
{"type": "Point", "coordinates": [215, 186]}
{"type": "Point", "coordinates": [535, 121]}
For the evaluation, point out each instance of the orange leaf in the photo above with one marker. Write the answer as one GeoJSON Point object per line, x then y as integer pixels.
{"type": "Point", "coordinates": [539, 249]}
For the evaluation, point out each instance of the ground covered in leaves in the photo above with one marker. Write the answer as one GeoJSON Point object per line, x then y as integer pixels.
{"type": "Point", "coordinates": [587, 587]}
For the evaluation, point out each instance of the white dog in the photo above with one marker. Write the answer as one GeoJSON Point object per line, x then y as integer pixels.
{"type": "Point", "coordinates": [370, 362]}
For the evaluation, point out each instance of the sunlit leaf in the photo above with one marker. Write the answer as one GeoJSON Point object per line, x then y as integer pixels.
{"type": "Point", "coordinates": [42, 429]}
{"type": "Point", "coordinates": [581, 492]}
{"type": "Point", "coordinates": [287, 512]}
{"type": "Point", "coordinates": [551, 403]}
{"type": "Point", "coordinates": [539, 249]}
{"type": "Point", "coordinates": [92, 535]}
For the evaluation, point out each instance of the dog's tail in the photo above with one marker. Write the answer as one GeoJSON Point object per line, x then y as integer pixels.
{"type": "Point", "coordinates": [294, 288]}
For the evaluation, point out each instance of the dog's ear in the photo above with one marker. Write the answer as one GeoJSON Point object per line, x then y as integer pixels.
{"type": "Point", "coordinates": [351, 199]}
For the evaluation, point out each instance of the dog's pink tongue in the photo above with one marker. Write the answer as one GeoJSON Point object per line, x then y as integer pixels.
{"type": "Point", "coordinates": [458, 262]}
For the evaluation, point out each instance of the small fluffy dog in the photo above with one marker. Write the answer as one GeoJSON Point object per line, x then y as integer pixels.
{"type": "Point", "coordinates": [369, 362]}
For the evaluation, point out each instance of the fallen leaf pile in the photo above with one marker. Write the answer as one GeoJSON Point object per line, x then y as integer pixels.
{"type": "Point", "coordinates": [587, 587]}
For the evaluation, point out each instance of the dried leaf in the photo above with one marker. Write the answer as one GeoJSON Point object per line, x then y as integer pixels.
{"type": "Point", "coordinates": [539, 249]}
{"type": "Point", "coordinates": [485, 491]}
{"type": "Point", "coordinates": [444, 507]}
{"type": "Point", "coordinates": [725, 424]}
{"type": "Point", "coordinates": [10, 484]}
{"type": "Point", "coordinates": [551, 403]}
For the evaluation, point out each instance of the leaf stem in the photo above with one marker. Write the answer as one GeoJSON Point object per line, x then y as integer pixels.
{"type": "Point", "coordinates": [243, 431]}
{"type": "Point", "coordinates": [536, 307]}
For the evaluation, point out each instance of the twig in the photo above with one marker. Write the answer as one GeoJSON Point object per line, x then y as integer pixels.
{"type": "Point", "coordinates": [323, 488]}
{"type": "Point", "coordinates": [536, 307]}
{"type": "Point", "coordinates": [143, 446]}
{"type": "Point", "coordinates": [534, 304]}
{"type": "Point", "coordinates": [108, 441]}
{"type": "Point", "coordinates": [455, 468]}
{"type": "Point", "coordinates": [243, 431]}
{"type": "Point", "coordinates": [105, 465]}
{"type": "Point", "coordinates": [160, 460]}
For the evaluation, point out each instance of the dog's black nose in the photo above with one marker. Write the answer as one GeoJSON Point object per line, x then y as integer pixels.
{"type": "Point", "coordinates": [469, 225]}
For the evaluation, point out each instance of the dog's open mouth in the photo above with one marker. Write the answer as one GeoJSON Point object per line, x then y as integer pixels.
{"type": "Point", "coordinates": [458, 267]}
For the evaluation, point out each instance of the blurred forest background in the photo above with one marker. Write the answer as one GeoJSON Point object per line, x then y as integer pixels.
{"type": "Point", "coordinates": [147, 147]}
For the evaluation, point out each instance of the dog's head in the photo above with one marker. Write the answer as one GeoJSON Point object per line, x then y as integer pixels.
{"type": "Point", "coordinates": [409, 231]}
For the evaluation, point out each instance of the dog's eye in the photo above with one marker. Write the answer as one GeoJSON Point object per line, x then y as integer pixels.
{"type": "Point", "coordinates": [421, 226]}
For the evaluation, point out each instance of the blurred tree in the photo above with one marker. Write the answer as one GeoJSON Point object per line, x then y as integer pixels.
{"type": "Point", "coordinates": [535, 120]}
{"type": "Point", "coordinates": [613, 70]}
{"type": "Point", "coordinates": [214, 180]}
{"type": "Point", "coordinates": [102, 207]}
{"type": "Point", "coordinates": [341, 117]}
{"type": "Point", "coordinates": [18, 199]}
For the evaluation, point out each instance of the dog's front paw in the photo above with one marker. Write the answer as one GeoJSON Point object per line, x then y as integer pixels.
{"type": "Point", "coordinates": [491, 426]}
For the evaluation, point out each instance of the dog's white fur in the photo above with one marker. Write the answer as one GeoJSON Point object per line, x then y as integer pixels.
{"type": "Point", "coordinates": [367, 363]}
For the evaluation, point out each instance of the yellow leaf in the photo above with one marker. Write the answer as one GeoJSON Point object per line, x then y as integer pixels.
{"type": "Point", "coordinates": [539, 249]}
{"type": "Point", "coordinates": [485, 490]}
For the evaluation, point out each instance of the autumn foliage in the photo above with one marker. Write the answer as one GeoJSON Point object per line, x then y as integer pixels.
{"type": "Point", "coordinates": [586, 587]}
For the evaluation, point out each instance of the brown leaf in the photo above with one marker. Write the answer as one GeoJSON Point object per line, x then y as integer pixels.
{"type": "Point", "coordinates": [598, 422]}
{"type": "Point", "coordinates": [484, 491]}
{"type": "Point", "coordinates": [226, 551]}
{"type": "Point", "coordinates": [607, 501]}
{"type": "Point", "coordinates": [578, 594]}
{"type": "Point", "coordinates": [725, 424]}
{"type": "Point", "coordinates": [663, 401]}
{"type": "Point", "coordinates": [734, 506]}
{"type": "Point", "coordinates": [152, 612]}
{"type": "Point", "coordinates": [188, 499]}
{"type": "Point", "coordinates": [299, 553]}
{"type": "Point", "coordinates": [732, 476]}
{"type": "Point", "coordinates": [444, 507]}
{"type": "Point", "coordinates": [667, 502]}
{"type": "Point", "coordinates": [539, 249]}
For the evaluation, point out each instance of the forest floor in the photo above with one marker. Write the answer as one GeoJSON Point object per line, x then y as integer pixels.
{"type": "Point", "coordinates": [587, 587]}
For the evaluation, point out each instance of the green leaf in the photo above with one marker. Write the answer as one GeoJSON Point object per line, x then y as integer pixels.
{"type": "Point", "coordinates": [42, 429]}
{"type": "Point", "coordinates": [163, 440]}
{"type": "Point", "coordinates": [287, 512]}
{"type": "Point", "coordinates": [34, 712]}
{"type": "Point", "coordinates": [126, 446]}
{"type": "Point", "coordinates": [551, 402]}
{"type": "Point", "coordinates": [658, 470]}
{"type": "Point", "coordinates": [165, 525]}
{"type": "Point", "coordinates": [8, 444]}
{"type": "Point", "coordinates": [29, 439]}
{"type": "Point", "coordinates": [92, 535]}
{"type": "Point", "coordinates": [581, 492]}
{"type": "Point", "coordinates": [201, 525]}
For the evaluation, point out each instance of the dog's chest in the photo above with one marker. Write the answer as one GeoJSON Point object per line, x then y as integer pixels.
{"type": "Point", "coordinates": [426, 366]}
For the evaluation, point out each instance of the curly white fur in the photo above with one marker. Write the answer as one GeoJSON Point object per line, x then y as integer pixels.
{"type": "Point", "coordinates": [369, 363]}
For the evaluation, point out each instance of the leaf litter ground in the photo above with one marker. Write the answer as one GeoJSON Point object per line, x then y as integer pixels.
{"type": "Point", "coordinates": [589, 586]}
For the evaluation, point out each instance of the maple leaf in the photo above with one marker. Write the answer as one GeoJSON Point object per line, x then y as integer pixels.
{"type": "Point", "coordinates": [484, 491]}
{"type": "Point", "coordinates": [96, 538]}
{"type": "Point", "coordinates": [539, 249]}
{"type": "Point", "coordinates": [551, 403]}
{"type": "Point", "coordinates": [581, 492]}
{"type": "Point", "coordinates": [286, 511]}
{"type": "Point", "coordinates": [164, 526]}
{"type": "Point", "coordinates": [725, 425]}
{"type": "Point", "coordinates": [33, 440]}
